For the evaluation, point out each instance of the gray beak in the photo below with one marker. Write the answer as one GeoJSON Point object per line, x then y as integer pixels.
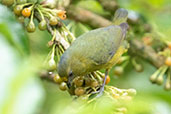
{"type": "Point", "coordinates": [70, 79]}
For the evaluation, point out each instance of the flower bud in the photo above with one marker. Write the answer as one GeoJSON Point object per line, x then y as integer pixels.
{"type": "Point", "coordinates": [21, 19]}
{"type": "Point", "coordinates": [63, 86]}
{"type": "Point", "coordinates": [79, 91]}
{"type": "Point", "coordinates": [139, 68]}
{"type": "Point", "coordinates": [18, 9]}
{"type": "Point", "coordinates": [118, 70]}
{"type": "Point", "coordinates": [159, 80]}
{"type": "Point", "coordinates": [53, 21]}
{"type": "Point", "coordinates": [78, 81]}
{"type": "Point", "coordinates": [26, 12]}
{"type": "Point", "coordinates": [153, 77]}
{"type": "Point", "coordinates": [51, 64]}
{"type": "Point", "coordinates": [167, 86]}
{"type": "Point", "coordinates": [57, 79]}
{"type": "Point", "coordinates": [168, 61]}
{"type": "Point", "coordinates": [31, 27]}
{"type": "Point", "coordinates": [42, 25]}
{"type": "Point", "coordinates": [168, 82]}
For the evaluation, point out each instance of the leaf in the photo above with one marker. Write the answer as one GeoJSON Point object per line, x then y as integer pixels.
{"type": "Point", "coordinates": [13, 31]}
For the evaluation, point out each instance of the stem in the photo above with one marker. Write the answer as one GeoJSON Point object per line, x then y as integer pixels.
{"type": "Point", "coordinates": [65, 29]}
{"type": "Point", "coordinates": [26, 4]}
{"type": "Point", "coordinates": [47, 14]}
{"type": "Point", "coordinates": [124, 64]}
{"type": "Point", "coordinates": [57, 55]}
{"type": "Point", "coordinates": [99, 78]}
{"type": "Point", "coordinates": [160, 77]}
{"type": "Point", "coordinates": [164, 68]}
{"type": "Point", "coordinates": [61, 48]}
{"type": "Point", "coordinates": [154, 75]}
{"type": "Point", "coordinates": [54, 35]}
{"type": "Point", "coordinates": [168, 80]}
{"type": "Point", "coordinates": [53, 52]}
{"type": "Point", "coordinates": [100, 74]}
{"type": "Point", "coordinates": [92, 77]}
{"type": "Point", "coordinates": [49, 11]}
{"type": "Point", "coordinates": [41, 14]}
{"type": "Point", "coordinates": [124, 58]}
{"type": "Point", "coordinates": [134, 61]}
{"type": "Point", "coordinates": [32, 15]}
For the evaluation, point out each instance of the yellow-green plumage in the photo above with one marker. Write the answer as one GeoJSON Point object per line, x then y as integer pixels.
{"type": "Point", "coordinates": [97, 49]}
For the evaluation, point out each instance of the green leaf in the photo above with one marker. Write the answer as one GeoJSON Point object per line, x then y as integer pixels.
{"type": "Point", "coordinates": [13, 31]}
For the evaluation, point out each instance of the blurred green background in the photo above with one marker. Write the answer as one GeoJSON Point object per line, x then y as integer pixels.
{"type": "Point", "coordinates": [22, 54]}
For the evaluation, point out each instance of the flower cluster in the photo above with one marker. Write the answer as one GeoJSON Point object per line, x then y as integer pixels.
{"type": "Point", "coordinates": [31, 10]}
{"type": "Point", "coordinates": [159, 76]}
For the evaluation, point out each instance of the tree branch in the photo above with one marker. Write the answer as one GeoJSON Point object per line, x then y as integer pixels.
{"type": "Point", "coordinates": [109, 5]}
{"type": "Point", "coordinates": [138, 48]}
{"type": "Point", "coordinates": [85, 16]}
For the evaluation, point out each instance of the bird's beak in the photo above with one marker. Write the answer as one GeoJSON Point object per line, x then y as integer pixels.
{"type": "Point", "coordinates": [70, 79]}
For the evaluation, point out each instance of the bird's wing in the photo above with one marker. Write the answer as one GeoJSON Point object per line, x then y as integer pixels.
{"type": "Point", "coordinates": [99, 45]}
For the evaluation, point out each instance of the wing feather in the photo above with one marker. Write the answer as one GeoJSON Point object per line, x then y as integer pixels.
{"type": "Point", "coordinates": [99, 45]}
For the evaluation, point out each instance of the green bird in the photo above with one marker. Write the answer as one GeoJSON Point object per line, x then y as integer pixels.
{"type": "Point", "coordinates": [97, 49]}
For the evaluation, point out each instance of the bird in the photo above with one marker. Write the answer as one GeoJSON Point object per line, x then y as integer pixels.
{"type": "Point", "coordinates": [95, 50]}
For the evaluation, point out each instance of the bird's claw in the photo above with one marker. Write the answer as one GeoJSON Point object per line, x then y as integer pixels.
{"type": "Point", "coordinates": [100, 92]}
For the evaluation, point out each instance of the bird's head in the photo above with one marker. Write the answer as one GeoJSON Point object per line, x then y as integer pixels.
{"type": "Point", "coordinates": [70, 66]}
{"type": "Point", "coordinates": [64, 69]}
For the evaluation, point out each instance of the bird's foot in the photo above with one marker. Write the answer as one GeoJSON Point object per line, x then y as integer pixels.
{"type": "Point", "coordinates": [99, 92]}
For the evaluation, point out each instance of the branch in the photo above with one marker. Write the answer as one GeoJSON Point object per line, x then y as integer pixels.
{"type": "Point", "coordinates": [138, 48]}
{"type": "Point", "coordinates": [109, 5]}
{"type": "Point", "coordinates": [85, 16]}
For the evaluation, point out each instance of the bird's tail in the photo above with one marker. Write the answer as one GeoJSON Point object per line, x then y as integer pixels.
{"type": "Point", "coordinates": [120, 16]}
